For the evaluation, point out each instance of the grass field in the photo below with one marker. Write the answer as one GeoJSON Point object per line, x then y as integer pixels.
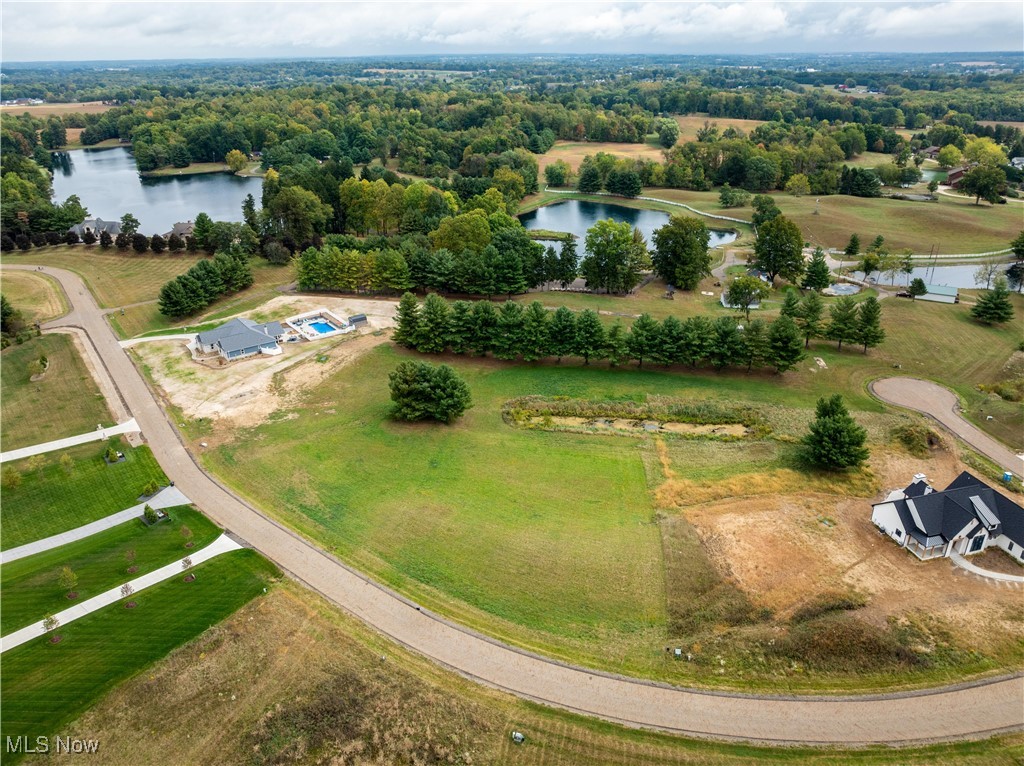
{"type": "Point", "coordinates": [573, 152]}
{"type": "Point", "coordinates": [65, 402]}
{"type": "Point", "coordinates": [689, 124]}
{"type": "Point", "coordinates": [260, 686]}
{"type": "Point", "coordinates": [196, 168]}
{"type": "Point", "coordinates": [51, 500]}
{"type": "Point", "coordinates": [45, 685]}
{"type": "Point", "coordinates": [29, 585]}
{"type": "Point", "coordinates": [45, 110]}
{"type": "Point", "coordinates": [37, 296]}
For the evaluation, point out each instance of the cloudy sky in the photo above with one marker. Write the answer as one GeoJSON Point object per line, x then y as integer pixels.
{"type": "Point", "coordinates": [40, 31]}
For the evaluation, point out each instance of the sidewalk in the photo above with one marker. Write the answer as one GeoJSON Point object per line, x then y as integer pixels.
{"type": "Point", "coordinates": [168, 497]}
{"type": "Point", "coordinates": [129, 426]}
{"type": "Point", "coordinates": [963, 563]}
{"type": "Point", "coordinates": [222, 544]}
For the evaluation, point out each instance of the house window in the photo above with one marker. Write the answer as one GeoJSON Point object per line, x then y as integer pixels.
{"type": "Point", "coordinates": [977, 543]}
{"type": "Point", "coordinates": [1011, 547]}
{"type": "Point", "coordinates": [899, 533]}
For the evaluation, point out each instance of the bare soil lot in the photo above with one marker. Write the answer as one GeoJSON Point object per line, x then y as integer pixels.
{"type": "Point", "coordinates": [45, 110]}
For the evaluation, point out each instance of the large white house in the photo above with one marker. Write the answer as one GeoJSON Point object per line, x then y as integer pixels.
{"type": "Point", "coordinates": [966, 517]}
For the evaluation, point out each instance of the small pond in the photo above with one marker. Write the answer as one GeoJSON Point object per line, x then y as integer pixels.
{"type": "Point", "coordinates": [109, 185]}
{"type": "Point", "coordinates": [576, 216]}
{"type": "Point", "coordinates": [951, 276]}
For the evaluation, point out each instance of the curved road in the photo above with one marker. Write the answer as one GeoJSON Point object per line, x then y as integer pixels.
{"type": "Point", "coordinates": [966, 711]}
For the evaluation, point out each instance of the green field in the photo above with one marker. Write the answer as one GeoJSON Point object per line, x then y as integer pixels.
{"type": "Point", "coordinates": [45, 685]}
{"type": "Point", "coordinates": [51, 500]}
{"type": "Point", "coordinates": [29, 585]}
{"type": "Point", "coordinates": [38, 297]}
{"type": "Point", "coordinates": [65, 402]}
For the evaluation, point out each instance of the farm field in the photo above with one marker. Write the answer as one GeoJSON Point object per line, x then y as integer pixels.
{"type": "Point", "coordinates": [296, 652]}
{"type": "Point", "coordinates": [45, 686]}
{"type": "Point", "coordinates": [65, 402]}
{"type": "Point", "coordinates": [45, 110]}
{"type": "Point", "coordinates": [689, 124]}
{"type": "Point", "coordinates": [30, 589]}
{"type": "Point", "coordinates": [573, 152]}
{"type": "Point", "coordinates": [88, 491]}
{"type": "Point", "coordinates": [36, 296]}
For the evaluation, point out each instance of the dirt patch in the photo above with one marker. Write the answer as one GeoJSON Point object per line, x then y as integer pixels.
{"type": "Point", "coordinates": [244, 393]}
{"type": "Point", "coordinates": [997, 560]}
{"type": "Point", "coordinates": [624, 425]}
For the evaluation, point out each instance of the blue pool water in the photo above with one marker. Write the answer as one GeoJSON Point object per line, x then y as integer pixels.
{"type": "Point", "coordinates": [845, 289]}
{"type": "Point", "coordinates": [322, 327]}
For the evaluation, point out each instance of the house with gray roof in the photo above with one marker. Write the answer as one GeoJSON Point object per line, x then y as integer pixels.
{"type": "Point", "coordinates": [966, 517]}
{"type": "Point", "coordinates": [97, 226]}
{"type": "Point", "coordinates": [182, 229]}
{"type": "Point", "coordinates": [241, 338]}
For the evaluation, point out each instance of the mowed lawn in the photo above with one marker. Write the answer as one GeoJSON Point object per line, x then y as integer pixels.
{"type": "Point", "coordinates": [36, 296]}
{"type": "Point", "coordinates": [45, 686]}
{"type": "Point", "coordinates": [551, 532]}
{"type": "Point", "coordinates": [28, 587]}
{"type": "Point", "coordinates": [65, 402]}
{"type": "Point", "coordinates": [50, 499]}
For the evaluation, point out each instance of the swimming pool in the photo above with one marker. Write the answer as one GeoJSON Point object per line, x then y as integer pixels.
{"type": "Point", "coordinates": [845, 289]}
{"type": "Point", "coordinates": [322, 327]}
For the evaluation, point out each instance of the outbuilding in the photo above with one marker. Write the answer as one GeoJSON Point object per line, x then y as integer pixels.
{"type": "Point", "coordinates": [940, 294]}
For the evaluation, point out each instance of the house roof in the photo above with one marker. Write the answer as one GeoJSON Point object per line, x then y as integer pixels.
{"type": "Point", "coordinates": [240, 334]}
{"type": "Point", "coordinates": [97, 225]}
{"type": "Point", "coordinates": [943, 290]}
{"type": "Point", "coordinates": [937, 517]}
{"type": "Point", "coordinates": [182, 229]}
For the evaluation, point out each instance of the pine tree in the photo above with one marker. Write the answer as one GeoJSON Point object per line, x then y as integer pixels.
{"type": "Point", "coordinates": [917, 288]}
{"type": "Point", "coordinates": [842, 324]}
{"type": "Point", "coordinates": [590, 336]}
{"type": "Point", "coordinates": [790, 304]}
{"type": "Point", "coordinates": [406, 321]}
{"type": "Point", "coordinates": [485, 327]}
{"type": "Point", "coordinates": [431, 334]}
{"type": "Point", "coordinates": [589, 178]}
{"type": "Point", "coordinates": [508, 274]}
{"type": "Point", "coordinates": [616, 348]}
{"type": "Point", "coordinates": [994, 306]}
{"type": "Point", "coordinates": [818, 276]}
{"type": "Point", "coordinates": [785, 349]}
{"type": "Point", "coordinates": [562, 333]}
{"type": "Point", "coordinates": [535, 332]}
{"type": "Point", "coordinates": [869, 323]}
{"type": "Point", "coordinates": [853, 247]}
{"type": "Point", "coordinates": [671, 339]}
{"type": "Point", "coordinates": [173, 302]}
{"type": "Point", "coordinates": [508, 343]}
{"type": "Point", "coordinates": [568, 263]}
{"type": "Point", "coordinates": [643, 339]}
{"type": "Point", "coordinates": [835, 441]}
{"type": "Point", "coordinates": [809, 319]}
{"type": "Point", "coordinates": [698, 333]}
{"type": "Point", "coordinates": [755, 343]}
{"type": "Point", "coordinates": [460, 327]}
{"type": "Point", "coordinates": [726, 343]}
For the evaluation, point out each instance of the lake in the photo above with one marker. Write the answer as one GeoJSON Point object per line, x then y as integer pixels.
{"type": "Point", "coordinates": [950, 276]}
{"type": "Point", "coordinates": [109, 185]}
{"type": "Point", "coordinates": [576, 216]}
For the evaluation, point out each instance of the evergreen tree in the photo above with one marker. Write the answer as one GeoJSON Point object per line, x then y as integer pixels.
{"type": "Point", "coordinates": [88, 238]}
{"type": "Point", "coordinates": [432, 325]}
{"type": "Point", "coordinates": [568, 263]}
{"type": "Point", "coordinates": [210, 279]}
{"type": "Point", "coordinates": [790, 304]}
{"type": "Point", "coordinates": [508, 342]}
{"type": "Point", "coordinates": [406, 321]}
{"type": "Point", "coordinates": [422, 391]}
{"type": "Point", "coordinates": [835, 441]}
{"type": "Point", "coordinates": [508, 273]}
{"type": "Point", "coordinates": [71, 238]}
{"type": "Point", "coordinates": [535, 332]}
{"type": "Point", "coordinates": [202, 230]}
{"type": "Point", "coordinates": [869, 323]}
{"type": "Point", "coordinates": [755, 343]}
{"type": "Point", "coordinates": [818, 276]}
{"type": "Point", "coordinates": [671, 339]}
{"type": "Point", "coordinates": [616, 347]}
{"type": "Point", "coordinates": [785, 349]}
{"type": "Point", "coordinates": [485, 327]}
{"type": "Point", "coordinates": [173, 302]}
{"type": "Point", "coordinates": [195, 294]}
{"type": "Point", "coordinates": [698, 335]}
{"type": "Point", "coordinates": [562, 333]}
{"type": "Point", "coordinates": [157, 244]}
{"type": "Point", "coordinates": [994, 306]}
{"type": "Point", "coordinates": [122, 241]}
{"type": "Point", "coordinates": [590, 336]}
{"type": "Point", "coordinates": [589, 178]}
{"type": "Point", "coordinates": [460, 327]}
{"type": "Point", "coordinates": [810, 317]}
{"type": "Point", "coordinates": [550, 264]}
{"type": "Point", "coordinates": [843, 324]}
{"type": "Point", "coordinates": [140, 243]}
{"type": "Point", "coordinates": [726, 343]}
{"type": "Point", "coordinates": [440, 270]}
{"type": "Point", "coordinates": [917, 288]}
{"type": "Point", "coordinates": [129, 225]}
{"type": "Point", "coordinates": [174, 243]}
{"type": "Point", "coordinates": [249, 212]}
{"type": "Point", "coordinates": [643, 339]}
{"type": "Point", "coordinates": [852, 247]}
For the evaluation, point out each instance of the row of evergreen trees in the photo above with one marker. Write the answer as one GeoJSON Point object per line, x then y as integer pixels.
{"type": "Point", "coordinates": [202, 284]}
{"type": "Point", "coordinates": [848, 321]}
{"type": "Point", "coordinates": [531, 333]}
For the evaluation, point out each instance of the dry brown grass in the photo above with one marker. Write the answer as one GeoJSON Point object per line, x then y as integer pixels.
{"type": "Point", "coordinates": [36, 296]}
{"type": "Point", "coordinates": [689, 124]}
{"type": "Point", "coordinates": [678, 493]}
{"type": "Point", "coordinates": [573, 152]}
{"type": "Point", "coordinates": [45, 110]}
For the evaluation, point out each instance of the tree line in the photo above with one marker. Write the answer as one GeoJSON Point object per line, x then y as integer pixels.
{"type": "Point", "coordinates": [228, 272]}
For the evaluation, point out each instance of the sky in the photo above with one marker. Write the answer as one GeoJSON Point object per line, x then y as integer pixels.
{"type": "Point", "coordinates": [85, 30]}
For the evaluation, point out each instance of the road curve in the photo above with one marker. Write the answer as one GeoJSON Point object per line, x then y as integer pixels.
{"type": "Point", "coordinates": [943, 406]}
{"type": "Point", "coordinates": [966, 711]}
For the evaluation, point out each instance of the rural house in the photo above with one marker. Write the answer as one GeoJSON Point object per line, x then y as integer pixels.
{"type": "Point", "coordinates": [181, 229]}
{"type": "Point", "coordinates": [966, 517]}
{"type": "Point", "coordinates": [96, 226]}
{"type": "Point", "coordinates": [241, 338]}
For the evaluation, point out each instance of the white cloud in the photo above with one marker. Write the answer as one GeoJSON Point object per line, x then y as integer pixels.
{"type": "Point", "coordinates": [217, 29]}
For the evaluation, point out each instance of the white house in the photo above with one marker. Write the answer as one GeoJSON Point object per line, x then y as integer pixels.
{"type": "Point", "coordinates": [940, 294]}
{"type": "Point", "coordinates": [966, 517]}
{"type": "Point", "coordinates": [241, 338]}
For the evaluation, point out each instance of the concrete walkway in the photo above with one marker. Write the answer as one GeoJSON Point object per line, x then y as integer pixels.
{"type": "Point", "coordinates": [222, 544]}
{"type": "Point", "coordinates": [129, 426]}
{"type": "Point", "coordinates": [168, 497]}
{"type": "Point", "coordinates": [963, 563]}
{"type": "Point", "coordinates": [971, 710]}
{"type": "Point", "coordinates": [943, 406]}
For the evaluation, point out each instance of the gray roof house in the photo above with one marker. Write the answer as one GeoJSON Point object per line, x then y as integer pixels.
{"type": "Point", "coordinates": [241, 338]}
{"type": "Point", "coordinates": [966, 517]}
{"type": "Point", "coordinates": [182, 229]}
{"type": "Point", "coordinates": [97, 226]}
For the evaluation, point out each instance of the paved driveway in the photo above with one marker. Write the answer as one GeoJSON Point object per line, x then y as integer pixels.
{"type": "Point", "coordinates": [968, 711]}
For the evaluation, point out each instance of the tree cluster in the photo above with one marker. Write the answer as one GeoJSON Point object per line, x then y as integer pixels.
{"type": "Point", "coordinates": [202, 284]}
{"type": "Point", "coordinates": [422, 391]}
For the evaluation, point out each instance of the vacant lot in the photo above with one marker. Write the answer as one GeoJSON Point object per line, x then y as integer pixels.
{"type": "Point", "coordinates": [45, 110]}
{"type": "Point", "coordinates": [52, 498]}
{"type": "Point", "coordinates": [36, 296]}
{"type": "Point", "coordinates": [65, 402]}
{"type": "Point", "coordinates": [258, 688]}
{"type": "Point", "coordinates": [573, 152]}
{"type": "Point", "coordinates": [46, 686]}
{"type": "Point", "coordinates": [689, 124]}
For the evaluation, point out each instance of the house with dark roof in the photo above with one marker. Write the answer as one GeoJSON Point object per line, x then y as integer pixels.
{"type": "Point", "coordinates": [182, 229]}
{"type": "Point", "coordinates": [966, 517]}
{"type": "Point", "coordinates": [241, 338]}
{"type": "Point", "coordinates": [97, 226]}
{"type": "Point", "coordinates": [955, 176]}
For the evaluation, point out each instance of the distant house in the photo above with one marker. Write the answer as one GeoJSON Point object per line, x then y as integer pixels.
{"type": "Point", "coordinates": [96, 226]}
{"type": "Point", "coordinates": [1017, 162]}
{"type": "Point", "coordinates": [940, 294]}
{"type": "Point", "coordinates": [932, 152]}
{"type": "Point", "coordinates": [181, 229]}
{"type": "Point", "coordinates": [955, 176]}
{"type": "Point", "coordinates": [241, 338]}
{"type": "Point", "coordinates": [966, 517]}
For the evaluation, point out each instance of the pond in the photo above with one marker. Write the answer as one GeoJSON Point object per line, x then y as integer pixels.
{"type": "Point", "coordinates": [950, 276]}
{"type": "Point", "coordinates": [109, 185]}
{"type": "Point", "coordinates": [576, 216]}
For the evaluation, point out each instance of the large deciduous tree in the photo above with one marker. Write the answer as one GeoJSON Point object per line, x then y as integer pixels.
{"type": "Point", "coordinates": [778, 250]}
{"type": "Point", "coordinates": [681, 252]}
{"type": "Point", "coordinates": [616, 259]}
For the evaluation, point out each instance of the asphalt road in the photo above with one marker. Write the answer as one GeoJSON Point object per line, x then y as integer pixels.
{"type": "Point", "coordinates": [967, 711]}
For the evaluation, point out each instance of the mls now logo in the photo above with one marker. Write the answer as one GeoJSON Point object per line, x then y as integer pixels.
{"type": "Point", "coordinates": [45, 745]}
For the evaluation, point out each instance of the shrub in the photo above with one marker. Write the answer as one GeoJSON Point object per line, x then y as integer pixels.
{"type": "Point", "coordinates": [150, 515]}
{"type": "Point", "coordinates": [916, 439]}
{"type": "Point", "coordinates": [826, 603]}
{"type": "Point", "coordinates": [151, 488]}
{"type": "Point", "coordinates": [838, 642]}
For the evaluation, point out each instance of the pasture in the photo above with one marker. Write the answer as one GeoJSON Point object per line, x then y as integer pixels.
{"type": "Point", "coordinates": [689, 124]}
{"type": "Point", "coordinates": [573, 152]}
{"type": "Point", "coordinates": [46, 110]}
{"type": "Point", "coordinates": [38, 297]}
